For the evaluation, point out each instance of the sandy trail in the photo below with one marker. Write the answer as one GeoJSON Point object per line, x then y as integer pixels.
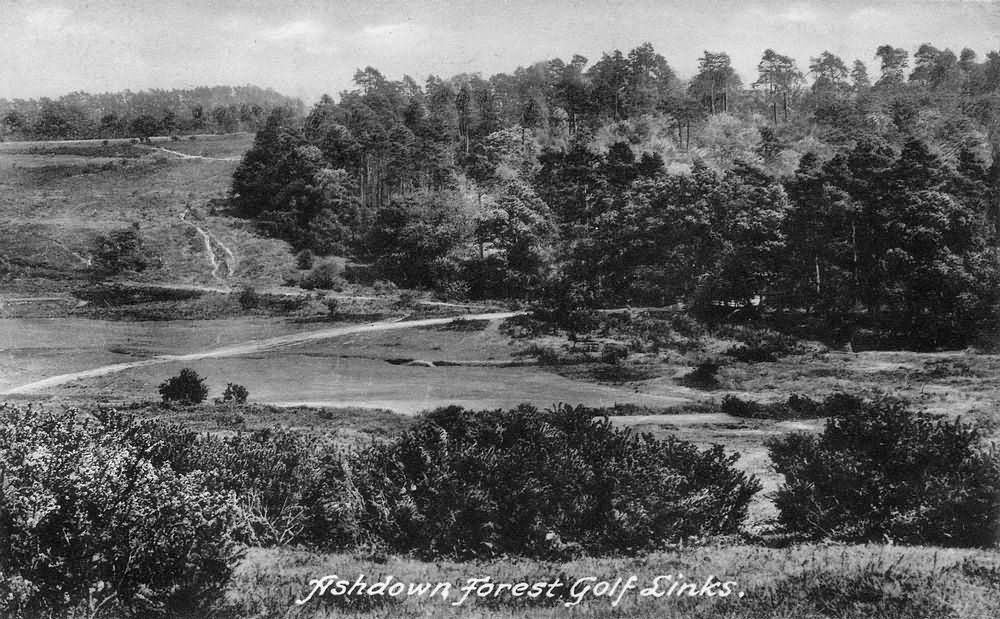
{"type": "Point", "coordinates": [252, 347]}
{"type": "Point", "coordinates": [187, 156]}
{"type": "Point", "coordinates": [211, 243]}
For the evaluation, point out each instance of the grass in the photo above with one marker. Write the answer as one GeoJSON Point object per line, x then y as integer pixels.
{"type": "Point", "coordinates": [807, 581]}
{"type": "Point", "coordinates": [57, 200]}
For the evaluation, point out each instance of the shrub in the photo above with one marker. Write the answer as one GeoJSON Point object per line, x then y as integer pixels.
{"type": "Point", "coordinates": [880, 472]}
{"type": "Point", "coordinates": [763, 346]}
{"type": "Point", "coordinates": [522, 481]}
{"type": "Point", "coordinates": [323, 276]}
{"type": "Point", "coordinates": [187, 387]}
{"type": "Point", "coordinates": [407, 299]}
{"type": "Point", "coordinates": [614, 353]}
{"type": "Point", "coordinates": [332, 307]}
{"type": "Point", "coordinates": [119, 251]}
{"type": "Point", "coordinates": [795, 407]}
{"type": "Point", "coordinates": [703, 376]}
{"type": "Point", "coordinates": [248, 298]}
{"type": "Point", "coordinates": [92, 522]}
{"type": "Point", "coordinates": [237, 394]}
{"type": "Point", "coordinates": [304, 260]}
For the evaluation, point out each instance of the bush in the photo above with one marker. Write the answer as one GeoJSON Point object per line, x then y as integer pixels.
{"type": "Point", "coordinates": [119, 251]}
{"type": "Point", "coordinates": [614, 353]}
{"type": "Point", "coordinates": [881, 472]}
{"type": "Point", "coordinates": [468, 484]}
{"type": "Point", "coordinates": [763, 346]}
{"type": "Point", "coordinates": [304, 260]}
{"type": "Point", "coordinates": [323, 276]}
{"type": "Point", "coordinates": [92, 522]}
{"type": "Point", "coordinates": [187, 387]}
{"type": "Point", "coordinates": [237, 394]}
{"type": "Point", "coordinates": [703, 376]}
{"type": "Point", "coordinates": [795, 407]}
{"type": "Point", "coordinates": [248, 298]}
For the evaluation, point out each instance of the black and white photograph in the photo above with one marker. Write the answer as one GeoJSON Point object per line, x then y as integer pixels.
{"type": "Point", "coordinates": [499, 309]}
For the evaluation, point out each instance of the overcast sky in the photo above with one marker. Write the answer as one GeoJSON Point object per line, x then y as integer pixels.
{"type": "Point", "coordinates": [308, 47]}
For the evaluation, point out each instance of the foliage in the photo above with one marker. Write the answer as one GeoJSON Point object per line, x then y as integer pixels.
{"type": "Point", "coordinates": [587, 184]}
{"type": "Point", "coordinates": [304, 259]}
{"type": "Point", "coordinates": [880, 471]}
{"type": "Point", "coordinates": [235, 393]}
{"type": "Point", "coordinates": [95, 523]}
{"type": "Point", "coordinates": [119, 251]}
{"type": "Point", "coordinates": [762, 345]}
{"type": "Point", "coordinates": [248, 298]}
{"type": "Point", "coordinates": [795, 407]}
{"type": "Point", "coordinates": [703, 376]}
{"type": "Point", "coordinates": [140, 114]}
{"type": "Point", "coordinates": [528, 482]}
{"type": "Point", "coordinates": [412, 239]}
{"type": "Point", "coordinates": [187, 387]}
{"type": "Point", "coordinates": [323, 276]}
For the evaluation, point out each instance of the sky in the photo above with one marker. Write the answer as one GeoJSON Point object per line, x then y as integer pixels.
{"type": "Point", "coordinates": [306, 48]}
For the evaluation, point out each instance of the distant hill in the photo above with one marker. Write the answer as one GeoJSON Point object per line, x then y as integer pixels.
{"type": "Point", "coordinates": [80, 115]}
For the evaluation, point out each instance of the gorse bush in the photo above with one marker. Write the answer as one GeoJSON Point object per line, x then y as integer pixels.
{"type": "Point", "coordinates": [881, 472]}
{"type": "Point", "coordinates": [237, 394]}
{"type": "Point", "coordinates": [187, 387]}
{"type": "Point", "coordinates": [762, 345]}
{"type": "Point", "coordinates": [795, 407]}
{"type": "Point", "coordinates": [93, 523]}
{"type": "Point", "coordinates": [287, 486]}
{"type": "Point", "coordinates": [323, 276]}
{"type": "Point", "coordinates": [703, 376]}
{"type": "Point", "coordinates": [522, 481]}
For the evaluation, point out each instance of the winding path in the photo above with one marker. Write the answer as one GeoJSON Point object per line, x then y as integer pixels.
{"type": "Point", "coordinates": [213, 244]}
{"type": "Point", "coordinates": [252, 347]}
{"type": "Point", "coordinates": [187, 156]}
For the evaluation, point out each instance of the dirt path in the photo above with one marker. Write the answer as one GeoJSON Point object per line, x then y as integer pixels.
{"type": "Point", "coordinates": [215, 250]}
{"type": "Point", "coordinates": [187, 156]}
{"type": "Point", "coordinates": [252, 347]}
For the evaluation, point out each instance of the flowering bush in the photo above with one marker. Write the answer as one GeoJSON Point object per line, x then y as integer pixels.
{"type": "Point", "coordinates": [89, 521]}
{"type": "Point", "coordinates": [880, 471]}
{"type": "Point", "coordinates": [529, 482]}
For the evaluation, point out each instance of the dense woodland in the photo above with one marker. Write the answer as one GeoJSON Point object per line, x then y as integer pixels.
{"type": "Point", "coordinates": [79, 115]}
{"type": "Point", "coordinates": [828, 192]}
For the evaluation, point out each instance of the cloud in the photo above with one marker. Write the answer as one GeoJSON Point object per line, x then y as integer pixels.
{"type": "Point", "coordinates": [47, 18]}
{"type": "Point", "coordinates": [397, 35]}
{"type": "Point", "coordinates": [868, 18]}
{"type": "Point", "coordinates": [294, 31]}
{"type": "Point", "coordinates": [799, 15]}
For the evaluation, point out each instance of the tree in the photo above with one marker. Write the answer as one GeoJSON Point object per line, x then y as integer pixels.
{"type": "Point", "coordinates": [830, 74]}
{"type": "Point", "coordinates": [412, 237]}
{"type": "Point", "coordinates": [609, 85]}
{"type": "Point", "coordinates": [515, 234]}
{"type": "Point", "coordinates": [715, 79]}
{"type": "Point", "coordinates": [649, 80]}
{"type": "Point", "coordinates": [144, 127]}
{"type": "Point", "coordinates": [894, 63]}
{"type": "Point", "coordinates": [859, 76]}
{"type": "Point", "coordinates": [187, 388]}
{"type": "Point", "coordinates": [780, 78]}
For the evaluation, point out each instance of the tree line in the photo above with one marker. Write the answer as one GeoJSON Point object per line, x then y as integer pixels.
{"type": "Point", "coordinates": [858, 203]}
{"type": "Point", "coordinates": [80, 115]}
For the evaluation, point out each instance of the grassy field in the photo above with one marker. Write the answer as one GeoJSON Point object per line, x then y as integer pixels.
{"type": "Point", "coordinates": [56, 198]}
